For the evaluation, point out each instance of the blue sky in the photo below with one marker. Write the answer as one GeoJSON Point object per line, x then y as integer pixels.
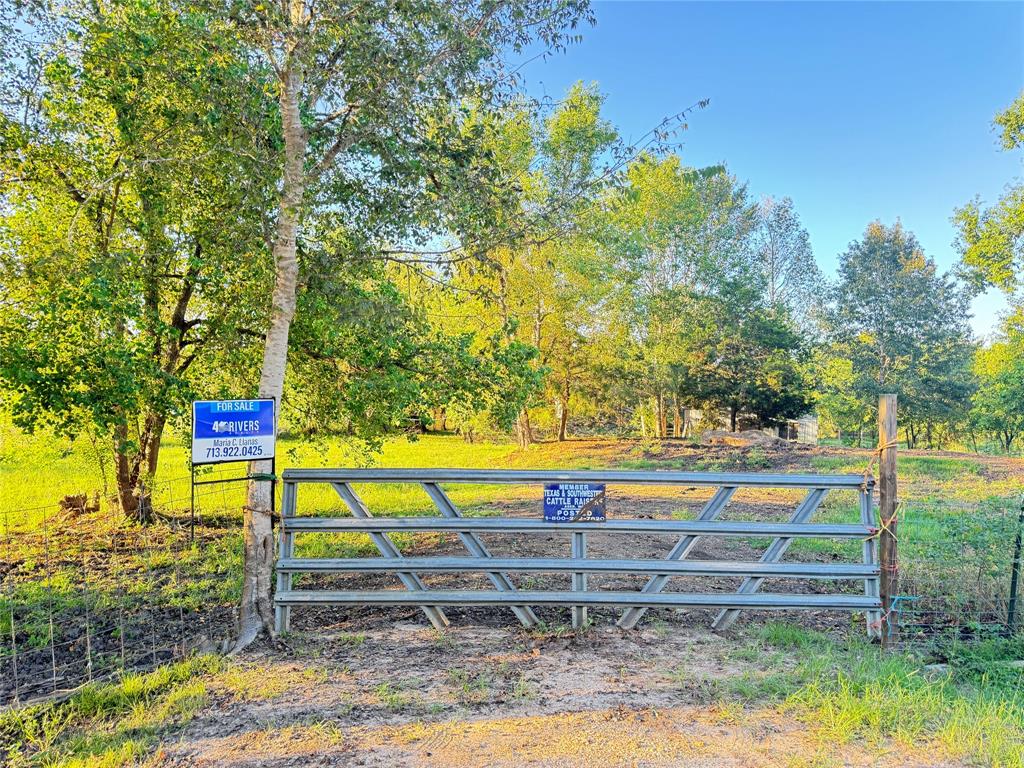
{"type": "Point", "coordinates": [857, 111]}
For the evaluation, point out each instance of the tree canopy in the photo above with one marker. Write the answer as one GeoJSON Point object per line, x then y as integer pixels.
{"type": "Point", "coordinates": [992, 238]}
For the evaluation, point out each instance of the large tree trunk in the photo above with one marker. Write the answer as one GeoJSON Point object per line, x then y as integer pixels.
{"type": "Point", "coordinates": [660, 415]}
{"type": "Point", "coordinates": [677, 417]}
{"type": "Point", "coordinates": [732, 419]}
{"type": "Point", "coordinates": [125, 476]}
{"type": "Point", "coordinates": [134, 488]}
{"type": "Point", "coordinates": [256, 612]}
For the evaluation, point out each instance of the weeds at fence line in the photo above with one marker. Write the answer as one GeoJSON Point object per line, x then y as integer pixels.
{"type": "Point", "coordinates": [86, 595]}
{"type": "Point", "coordinates": [956, 564]}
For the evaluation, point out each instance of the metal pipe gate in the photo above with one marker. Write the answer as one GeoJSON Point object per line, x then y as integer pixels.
{"type": "Point", "coordinates": [707, 523]}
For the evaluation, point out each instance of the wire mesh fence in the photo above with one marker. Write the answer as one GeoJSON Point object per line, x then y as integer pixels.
{"type": "Point", "coordinates": [86, 594]}
{"type": "Point", "coordinates": [957, 562]}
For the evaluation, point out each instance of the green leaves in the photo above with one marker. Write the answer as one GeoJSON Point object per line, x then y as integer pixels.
{"type": "Point", "coordinates": [991, 240]}
{"type": "Point", "coordinates": [999, 369]}
{"type": "Point", "coordinates": [132, 244]}
{"type": "Point", "coordinates": [904, 327]}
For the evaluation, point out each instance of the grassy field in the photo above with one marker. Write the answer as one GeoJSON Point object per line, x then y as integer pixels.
{"type": "Point", "coordinates": [36, 471]}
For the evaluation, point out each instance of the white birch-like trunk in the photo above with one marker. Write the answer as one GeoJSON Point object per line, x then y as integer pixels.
{"type": "Point", "coordinates": [257, 608]}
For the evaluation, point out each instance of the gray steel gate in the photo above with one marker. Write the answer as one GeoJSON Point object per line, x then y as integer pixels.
{"type": "Point", "coordinates": [478, 559]}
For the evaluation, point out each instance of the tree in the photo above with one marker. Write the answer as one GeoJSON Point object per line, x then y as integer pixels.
{"type": "Point", "coordinates": [368, 98]}
{"type": "Point", "coordinates": [903, 325]}
{"type": "Point", "coordinates": [673, 232]}
{"type": "Point", "coordinates": [1000, 371]}
{"type": "Point", "coordinates": [551, 279]}
{"type": "Point", "coordinates": [123, 161]}
{"type": "Point", "coordinates": [991, 240]}
{"type": "Point", "coordinates": [740, 356]}
{"type": "Point", "coordinates": [838, 405]}
{"type": "Point", "coordinates": [784, 261]}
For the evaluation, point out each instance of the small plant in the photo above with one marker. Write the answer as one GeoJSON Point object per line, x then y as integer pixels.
{"type": "Point", "coordinates": [443, 639]}
{"type": "Point", "coordinates": [782, 635]}
{"type": "Point", "coordinates": [352, 640]}
{"type": "Point", "coordinates": [728, 712]}
{"type": "Point", "coordinates": [253, 683]}
{"type": "Point", "coordinates": [757, 458]}
{"type": "Point", "coordinates": [679, 675]}
{"type": "Point", "coordinates": [471, 689]}
{"type": "Point", "coordinates": [391, 698]}
{"type": "Point", "coordinates": [523, 689]}
{"type": "Point", "coordinates": [660, 627]}
{"type": "Point", "coordinates": [561, 630]}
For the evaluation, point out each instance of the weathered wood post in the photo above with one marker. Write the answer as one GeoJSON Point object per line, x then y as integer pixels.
{"type": "Point", "coordinates": [887, 503]}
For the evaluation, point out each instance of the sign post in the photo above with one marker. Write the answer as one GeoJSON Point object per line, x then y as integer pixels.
{"type": "Point", "coordinates": [226, 431]}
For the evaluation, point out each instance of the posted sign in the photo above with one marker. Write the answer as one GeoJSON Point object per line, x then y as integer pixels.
{"type": "Point", "coordinates": [574, 502]}
{"type": "Point", "coordinates": [232, 430]}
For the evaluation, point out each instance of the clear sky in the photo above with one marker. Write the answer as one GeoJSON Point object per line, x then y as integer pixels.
{"type": "Point", "coordinates": [857, 111]}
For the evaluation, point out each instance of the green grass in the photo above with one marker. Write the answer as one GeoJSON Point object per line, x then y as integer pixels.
{"type": "Point", "coordinates": [112, 724]}
{"type": "Point", "coordinates": [854, 691]}
{"type": "Point", "coordinates": [36, 471]}
{"type": "Point", "coordinates": [936, 479]}
{"type": "Point", "coordinates": [942, 468]}
{"type": "Point", "coordinates": [393, 696]}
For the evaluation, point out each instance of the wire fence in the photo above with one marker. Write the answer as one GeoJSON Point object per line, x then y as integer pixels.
{"type": "Point", "coordinates": [86, 594]}
{"type": "Point", "coordinates": [957, 563]}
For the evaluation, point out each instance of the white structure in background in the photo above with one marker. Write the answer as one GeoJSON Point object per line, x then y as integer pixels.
{"type": "Point", "coordinates": [802, 430]}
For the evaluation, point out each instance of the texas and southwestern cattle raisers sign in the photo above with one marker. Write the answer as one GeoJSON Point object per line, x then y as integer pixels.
{"type": "Point", "coordinates": [574, 502]}
{"type": "Point", "coordinates": [232, 430]}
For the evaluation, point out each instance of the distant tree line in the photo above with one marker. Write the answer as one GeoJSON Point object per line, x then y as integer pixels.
{"type": "Point", "coordinates": [668, 289]}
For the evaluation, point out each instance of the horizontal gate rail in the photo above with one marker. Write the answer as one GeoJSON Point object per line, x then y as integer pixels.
{"type": "Point", "coordinates": [516, 525]}
{"type": "Point", "coordinates": [568, 565]}
{"type": "Point", "coordinates": [478, 559]}
{"type": "Point", "coordinates": [761, 600]}
{"type": "Point", "coordinates": [539, 476]}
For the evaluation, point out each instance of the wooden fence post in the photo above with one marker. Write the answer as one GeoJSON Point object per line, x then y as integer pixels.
{"type": "Point", "coordinates": [887, 503]}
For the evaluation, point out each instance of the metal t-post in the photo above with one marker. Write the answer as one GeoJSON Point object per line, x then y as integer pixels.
{"type": "Point", "coordinates": [1011, 608]}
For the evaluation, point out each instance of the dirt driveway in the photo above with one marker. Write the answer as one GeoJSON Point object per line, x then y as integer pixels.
{"type": "Point", "coordinates": [477, 697]}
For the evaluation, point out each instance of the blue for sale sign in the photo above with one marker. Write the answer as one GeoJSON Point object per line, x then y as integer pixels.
{"type": "Point", "coordinates": [232, 430]}
{"type": "Point", "coordinates": [574, 502]}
